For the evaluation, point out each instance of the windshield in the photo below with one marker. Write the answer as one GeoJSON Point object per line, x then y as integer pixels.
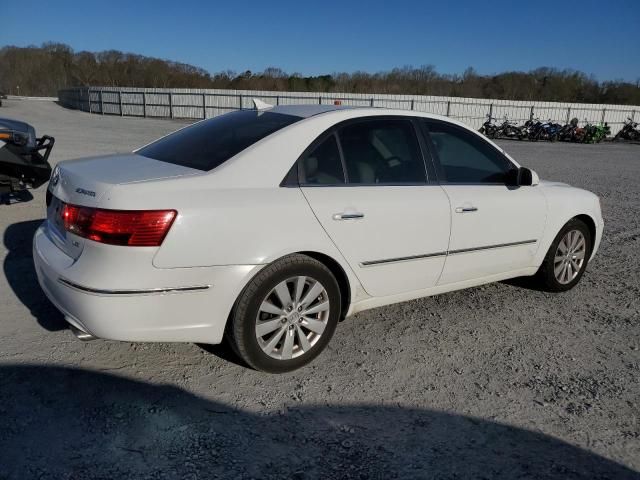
{"type": "Point", "coordinates": [210, 143]}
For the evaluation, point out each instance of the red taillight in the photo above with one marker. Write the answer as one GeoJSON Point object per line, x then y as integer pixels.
{"type": "Point", "coordinates": [136, 228]}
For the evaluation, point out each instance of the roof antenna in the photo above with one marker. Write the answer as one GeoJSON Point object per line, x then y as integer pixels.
{"type": "Point", "coordinates": [260, 105]}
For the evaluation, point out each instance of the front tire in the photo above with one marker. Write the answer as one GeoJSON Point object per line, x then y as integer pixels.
{"type": "Point", "coordinates": [567, 258]}
{"type": "Point", "coordinates": [286, 315]}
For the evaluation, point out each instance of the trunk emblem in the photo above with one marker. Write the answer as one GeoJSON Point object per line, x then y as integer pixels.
{"type": "Point", "coordinates": [85, 192]}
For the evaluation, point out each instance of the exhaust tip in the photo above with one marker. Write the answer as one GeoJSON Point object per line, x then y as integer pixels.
{"type": "Point", "coordinates": [81, 334]}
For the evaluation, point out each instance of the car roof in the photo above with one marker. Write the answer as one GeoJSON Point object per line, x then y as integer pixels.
{"type": "Point", "coordinates": [306, 111]}
{"type": "Point", "coordinates": [345, 112]}
{"type": "Point", "coordinates": [352, 111]}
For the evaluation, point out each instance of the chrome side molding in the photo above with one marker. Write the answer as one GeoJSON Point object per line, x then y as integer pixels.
{"type": "Point", "coordinates": [150, 291]}
{"type": "Point", "coordinates": [491, 247]}
{"type": "Point", "coordinates": [371, 263]}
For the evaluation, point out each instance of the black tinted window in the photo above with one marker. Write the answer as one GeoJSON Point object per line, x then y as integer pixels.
{"type": "Point", "coordinates": [382, 151]}
{"type": "Point", "coordinates": [210, 143]}
{"type": "Point", "coordinates": [467, 158]}
{"type": "Point", "coordinates": [323, 166]}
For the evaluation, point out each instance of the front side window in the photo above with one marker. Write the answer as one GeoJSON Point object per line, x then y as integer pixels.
{"type": "Point", "coordinates": [382, 151]}
{"type": "Point", "coordinates": [210, 143]}
{"type": "Point", "coordinates": [323, 166]}
{"type": "Point", "coordinates": [467, 158]}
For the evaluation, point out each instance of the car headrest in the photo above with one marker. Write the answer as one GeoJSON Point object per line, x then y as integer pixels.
{"type": "Point", "coordinates": [437, 142]}
{"type": "Point", "coordinates": [310, 166]}
{"type": "Point", "coordinates": [366, 173]}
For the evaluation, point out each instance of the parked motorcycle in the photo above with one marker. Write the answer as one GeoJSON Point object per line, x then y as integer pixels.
{"type": "Point", "coordinates": [538, 130]}
{"type": "Point", "coordinates": [596, 133]}
{"type": "Point", "coordinates": [510, 130]}
{"type": "Point", "coordinates": [490, 127]}
{"type": "Point", "coordinates": [568, 132]}
{"type": "Point", "coordinates": [630, 131]}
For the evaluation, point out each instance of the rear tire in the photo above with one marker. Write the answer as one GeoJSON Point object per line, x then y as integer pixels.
{"type": "Point", "coordinates": [286, 315]}
{"type": "Point", "coordinates": [567, 258]}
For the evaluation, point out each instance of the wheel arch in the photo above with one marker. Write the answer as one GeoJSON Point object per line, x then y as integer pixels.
{"type": "Point", "coordinates": [339, 271]}
{"type": "Point", "coordinates": [341, 277]}
{"type": "Point", "coordinates": [590, 223]}
{"type": "Point", "coordinates": [555, 228]}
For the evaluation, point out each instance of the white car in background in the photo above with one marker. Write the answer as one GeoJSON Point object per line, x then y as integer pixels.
{"type": "Point", "coordinates": [267, 227]}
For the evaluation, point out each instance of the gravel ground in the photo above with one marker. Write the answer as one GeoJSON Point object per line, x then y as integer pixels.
{"type": "Point", "coordinates": [494, 382]}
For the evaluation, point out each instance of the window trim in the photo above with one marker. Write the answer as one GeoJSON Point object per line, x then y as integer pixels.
{"type": "Point", "coordinates": [428, 151]}
{"type": "Point", "coordinates": [423, 153]}
{"type": "Point", "coordinates": [312, 146]}
{"type": "Point", "coordinates": [436, 159]}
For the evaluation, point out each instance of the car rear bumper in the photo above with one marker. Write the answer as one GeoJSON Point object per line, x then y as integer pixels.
{"type": "Point", "coordinates": [187, 310]}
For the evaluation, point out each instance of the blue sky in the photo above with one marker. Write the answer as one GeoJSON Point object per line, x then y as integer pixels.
{"type": "Point", "coordinates": [598, 37]}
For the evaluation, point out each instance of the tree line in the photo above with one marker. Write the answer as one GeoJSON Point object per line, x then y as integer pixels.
{"type": "Point", "coordinates": [42, 71]}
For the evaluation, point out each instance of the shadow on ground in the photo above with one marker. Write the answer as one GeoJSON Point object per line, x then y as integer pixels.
{"type": "Point", "coordinates": [67, 423]}
{"type": "Point", "coordinates": [225, 352]}
{"type": "Point", "coordinates": [21, 275]}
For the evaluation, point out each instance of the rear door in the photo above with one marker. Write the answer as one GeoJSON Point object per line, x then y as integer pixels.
{"type": "Point", "coordinates": [367, 184]}
{"type": "Point", "coordinates": [495, 227]}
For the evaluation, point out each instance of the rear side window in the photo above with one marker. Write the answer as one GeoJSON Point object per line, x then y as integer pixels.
{"type": "Point", "coordinates": [323, 166]}
{"type": "Point", "coordinates": [467, 158]}
{"type": "Point", "coordinates": [382, 151]}
{"type": "Point", "coordinates": [210, 143]}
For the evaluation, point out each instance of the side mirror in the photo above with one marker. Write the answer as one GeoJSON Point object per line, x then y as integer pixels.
{"type": "Point", "coordinates": [527, 177]}
{"type": "Point", "coordinates": [522, 177]}
{"type": "Point", "coordinates": [535, 179]}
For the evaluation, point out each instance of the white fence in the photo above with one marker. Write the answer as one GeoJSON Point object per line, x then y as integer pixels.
{"type": "Point", "coordinates": [41, 99]}
{"type": "Point", "coordinates": [205, 103]}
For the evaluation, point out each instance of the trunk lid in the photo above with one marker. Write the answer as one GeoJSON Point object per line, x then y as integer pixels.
{"type": "Point", "coordinates": [86, 181]}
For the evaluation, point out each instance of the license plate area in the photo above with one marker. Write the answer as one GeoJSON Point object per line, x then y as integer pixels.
{"type": "Point", "coordinates": [67, 242]}
{"type": "Point", "coordinates": [54, 216]}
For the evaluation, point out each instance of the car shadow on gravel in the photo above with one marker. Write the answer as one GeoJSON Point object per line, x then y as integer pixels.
{"type": "Point", "coordinates": [527, 283]}
{"type": "Point", "coordinates": [67, 423]}
{"type": "Point", "coordinates": [223, 351]}
{"type": "Point", "coordinates": [21, 275]}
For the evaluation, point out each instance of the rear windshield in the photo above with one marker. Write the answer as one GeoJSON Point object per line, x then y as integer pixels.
{"type": "Point", "coordinates": [210, 143]}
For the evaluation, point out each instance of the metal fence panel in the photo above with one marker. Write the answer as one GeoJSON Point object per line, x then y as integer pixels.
{"type": "Point", "coordinates": [193, 103]}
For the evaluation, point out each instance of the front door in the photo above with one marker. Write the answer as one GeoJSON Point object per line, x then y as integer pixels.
{"type": "Point", "coordinates": [495, 227]}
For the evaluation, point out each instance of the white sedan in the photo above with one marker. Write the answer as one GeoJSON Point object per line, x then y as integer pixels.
{"type": "Point", "coordinates": [266, 227]}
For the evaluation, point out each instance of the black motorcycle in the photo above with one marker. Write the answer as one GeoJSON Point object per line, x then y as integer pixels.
{"type": "Point", "coordinates": [630, 131]}
{"type": "Point", "coordinates": [510, 130]}
{"type": "Point", "coordinates": [23, 157]}
{"type": "Point", "coordinates": [490, 128]}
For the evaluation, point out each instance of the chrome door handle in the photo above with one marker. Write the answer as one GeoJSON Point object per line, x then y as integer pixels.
{"type": "Point", "coordinates": [466, 209]}
{"type": "Point", "coordinates": [348, 216]}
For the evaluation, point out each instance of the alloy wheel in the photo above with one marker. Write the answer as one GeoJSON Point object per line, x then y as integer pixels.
{"type": "Point", "coordinates": [292, 317]}
{"type": "Point", "coordinates": [570, 256]}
